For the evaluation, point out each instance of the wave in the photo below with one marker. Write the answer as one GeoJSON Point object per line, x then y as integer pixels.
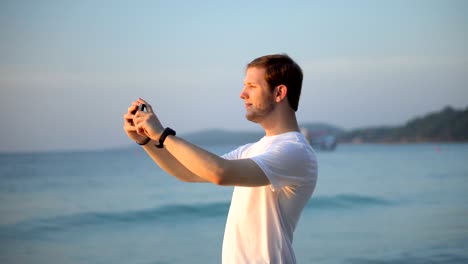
{"type": "Point", "coordinates": [343, 201]}
{"type": "Point", "coordinates": [169, 214]}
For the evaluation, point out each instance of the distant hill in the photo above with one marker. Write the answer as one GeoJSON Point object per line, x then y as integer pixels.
{"type": "Point", "coordinates": [322, 128]}
{"type": "Point", "coordinates": [222, 137]}
{"type": "Point", "coordinates": [447, 125]}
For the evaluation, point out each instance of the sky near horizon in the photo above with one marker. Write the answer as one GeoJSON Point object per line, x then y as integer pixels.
{"type": "Point", "coordinates": [69, 69]}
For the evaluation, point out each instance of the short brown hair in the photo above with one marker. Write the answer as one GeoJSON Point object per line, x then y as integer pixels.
{"type": "Point", "coordinates": [280, 69]}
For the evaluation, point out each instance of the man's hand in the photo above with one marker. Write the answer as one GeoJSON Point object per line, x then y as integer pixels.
{"type": "Point", "coordinates": [147, 123]}
{"type": "Point", "coordinates": [129, 125]}
{"type": "Point", "coordinates": [140, 125]}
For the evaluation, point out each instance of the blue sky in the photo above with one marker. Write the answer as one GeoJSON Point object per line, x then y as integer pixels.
{"type": "Point", "coordinates": [69, 69]}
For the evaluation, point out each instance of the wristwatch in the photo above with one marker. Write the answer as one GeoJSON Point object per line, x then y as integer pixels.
{"type": "Point", "coordinates": [168, 131]}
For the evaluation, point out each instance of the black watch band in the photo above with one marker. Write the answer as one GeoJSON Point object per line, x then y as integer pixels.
{"type": "Point", "coordinates": [144, 142]}
{"type": "Point", "coordinates": [168, 131]}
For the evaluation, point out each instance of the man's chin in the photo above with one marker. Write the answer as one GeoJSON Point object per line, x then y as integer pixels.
{"type": "Point", "coordinates": [252, 118]}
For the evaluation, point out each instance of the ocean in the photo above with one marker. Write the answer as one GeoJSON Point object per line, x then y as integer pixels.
{"type": "Point", "coordinates": [374, 204]}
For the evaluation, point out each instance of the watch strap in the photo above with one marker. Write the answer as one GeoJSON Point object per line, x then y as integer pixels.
{"type": "Point", "coordinates": [167, 132]}
{"type": "Point", "coordinates": [144, 142]}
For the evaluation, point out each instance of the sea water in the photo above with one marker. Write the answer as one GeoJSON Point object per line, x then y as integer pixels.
{"type": "Point", "coordinates": [373, 204]}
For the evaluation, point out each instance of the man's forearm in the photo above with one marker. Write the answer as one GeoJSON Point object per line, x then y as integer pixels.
{"type": "Point", "coordinates": [169, 164]}
{"type": "Point", "coordinates": [204, 164]}
{"type": "Point", "coordinates": [215, 169]}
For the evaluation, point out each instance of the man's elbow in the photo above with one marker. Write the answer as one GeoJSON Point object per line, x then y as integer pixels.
{"type": "Point", "coordinates": [221, 181]}
{"type": "Point", "coordinates": [220, 177]}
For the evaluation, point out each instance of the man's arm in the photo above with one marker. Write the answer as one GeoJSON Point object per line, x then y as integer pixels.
{"type": "Point", "coordinates": [169, 164]}
{"type": "Point", "coordinates": [160, 156]}
{"type": "Point", "coordinates": [214, 169]}
{"type": "Point", "coordinates": [188, 159]}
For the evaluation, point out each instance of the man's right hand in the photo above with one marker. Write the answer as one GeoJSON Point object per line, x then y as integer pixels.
{"type": "Point", "coordinates": [129, 126]}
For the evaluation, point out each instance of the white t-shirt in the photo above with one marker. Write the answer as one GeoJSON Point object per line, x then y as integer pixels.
{"type": "Point", "coordinates": [261, 220]}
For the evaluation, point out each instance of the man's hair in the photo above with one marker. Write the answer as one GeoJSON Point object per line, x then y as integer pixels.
{"type": "Point", "coordinates": [280, 69]}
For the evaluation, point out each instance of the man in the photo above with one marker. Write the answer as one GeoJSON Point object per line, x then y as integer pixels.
{"type": "Point", "coordinates": [274, 178]}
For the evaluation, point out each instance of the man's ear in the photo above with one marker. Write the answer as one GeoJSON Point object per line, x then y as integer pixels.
{"type": "Point", "coordinates": [280, 92]}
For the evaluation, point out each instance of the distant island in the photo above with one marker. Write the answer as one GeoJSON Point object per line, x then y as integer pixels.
{"type": "Point", "coordinates": [316, 131]}
{"type": "Point", "coordinates": [447, 125]}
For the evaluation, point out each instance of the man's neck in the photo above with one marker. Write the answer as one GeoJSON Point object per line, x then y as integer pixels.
{"type": "Point", "coordinates": [280, 122]}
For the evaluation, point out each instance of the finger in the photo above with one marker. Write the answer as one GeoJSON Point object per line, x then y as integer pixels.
{"type": "Point", "coordinates": [138, 115]}
{"type": "Point", "coordinates": [149, 108]}
{"type": "Point", "coordinates": [128, 119]}
{"type": "Point", "coordinates": [139, 122]}
{"type": "Point", "coordinates": [129, 128]}
{"type": "Point", "coordinates": [133, 108]}
{"type": "Point", "coordinates": [128, 116]}
{"type": "Point", "coordinates": [140, 130]}
{"type": "Point", "coordinates": [135, 103]}
{"type": "Point", "coordinates": [137, 119]}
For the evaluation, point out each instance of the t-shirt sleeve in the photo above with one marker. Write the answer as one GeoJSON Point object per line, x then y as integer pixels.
{"type": "Point", "coordinates": [236, 153]}
{"type": "Point", "coordinates": [288, 165]}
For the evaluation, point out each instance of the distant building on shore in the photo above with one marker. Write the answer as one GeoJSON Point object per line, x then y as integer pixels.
{"type": "Point", "coordinates": [320, 140]}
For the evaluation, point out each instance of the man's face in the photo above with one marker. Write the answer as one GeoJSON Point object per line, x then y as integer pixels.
{"type": "Point", "coordinates": [258, 99]}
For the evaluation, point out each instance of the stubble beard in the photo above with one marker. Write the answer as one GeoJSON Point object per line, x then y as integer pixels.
{"type": "Point", "coordinates": [258, 114]}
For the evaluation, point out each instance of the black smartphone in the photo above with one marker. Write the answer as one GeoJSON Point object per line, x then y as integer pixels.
{"type": "Point", "coordinates": [141, 107]}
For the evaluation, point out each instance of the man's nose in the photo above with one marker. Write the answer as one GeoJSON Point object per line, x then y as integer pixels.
{"type": "Point", "coordinates": [243, 94]}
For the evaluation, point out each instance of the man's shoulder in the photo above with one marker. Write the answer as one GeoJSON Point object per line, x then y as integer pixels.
{"type": "Point", "coordinates": [292, 140]}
